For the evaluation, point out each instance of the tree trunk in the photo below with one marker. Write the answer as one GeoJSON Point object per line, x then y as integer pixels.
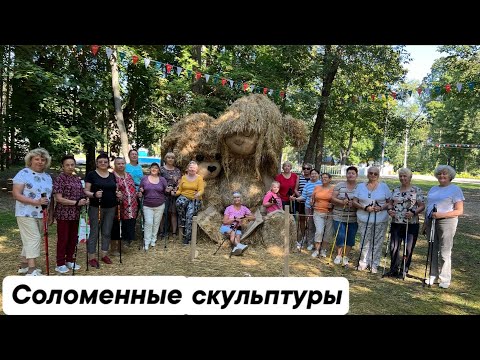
{"type": "Point", "coordinates": [197, 55]}
{"type": "Point", "coordinates": [2, 132]}
{"type": "Point", "coordinates": [118, 105]}
{"type": "Point", "coordinates": [331, 61]}
{"type": "Point", "coordinates": [345, 153]}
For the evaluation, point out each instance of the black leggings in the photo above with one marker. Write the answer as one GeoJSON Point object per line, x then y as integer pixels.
{"type": "Point", "coordinates": [397, 236]}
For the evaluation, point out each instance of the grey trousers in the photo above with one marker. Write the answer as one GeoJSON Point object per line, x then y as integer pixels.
{"type": "Point", "coordinates": [445, 230]}
{"type": "Point", "coordinates": [368, 243]}
{"type": "Point", "coordinates": [106, 222]}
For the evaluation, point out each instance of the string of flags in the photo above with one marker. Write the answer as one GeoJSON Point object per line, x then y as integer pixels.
{"type": "Point", "coordinates": [169, 69]}
{"type": "Point", "coordinates": [402, 95]}
{"type": "Point", "coordinates": [462, 146]}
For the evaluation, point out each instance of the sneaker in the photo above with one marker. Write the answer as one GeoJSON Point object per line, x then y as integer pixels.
{"type": "Point", "coordinates": [315, 254]}
{"type": "Point", "coordinates": [34, 273]}
{"type": "Point", "coordinates": [323, 253]}
{"type": "Point", "coordinates": [61, 269]}
{"type": "Point", "coordinates": [145, 247]}
{"type": "Point", "coordinates": [310, 247]}
{"type": "Point", "coordinates": [236, 251]}
{"type": "Point", "coordinates": [116, 253]}
{"type": "Point", "coordinates": [374, 270]}
{"type": "Point", "coordinates": [299, 246]}
{"type": "Point", "coordinates": [338, 259]}
{"type": "Point", "coordinates": [152, 244]}
{"type": "Point", "coordinates": [345, 261]}
{"type": "Point", "coordinates": [243, 247]}
{"type": "Point", "coordinates": [431, 280]}
{"type": "Point", "coordinates": [361, 266]}
{"type": "Point", "coordinates": [25, 270]}
{"type": "Point", "coordinates": [106, 260]}
{"type": "Point", "coordinates": [444, 285]}
{"type": "Point", "coordinates": [70, 265]}
{"type": "Point", "coordinates": [94, 263]}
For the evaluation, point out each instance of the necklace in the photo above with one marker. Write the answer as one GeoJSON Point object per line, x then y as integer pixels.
{"type": "Point", "coordinates": [371, 190]}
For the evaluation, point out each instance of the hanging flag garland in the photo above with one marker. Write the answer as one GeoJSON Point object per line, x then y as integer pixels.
{"type": "Point", "coordinates": [461, 146]}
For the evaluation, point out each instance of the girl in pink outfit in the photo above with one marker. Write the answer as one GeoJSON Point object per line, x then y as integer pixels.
{"type": "Point", "coordinates": [272, 200]}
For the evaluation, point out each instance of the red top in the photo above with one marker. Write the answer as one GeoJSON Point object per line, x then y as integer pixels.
{"type": "Point", "coordinates": [286, 184]}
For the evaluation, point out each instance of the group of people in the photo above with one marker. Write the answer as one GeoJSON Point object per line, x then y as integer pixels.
{"type": "Point", "coordinates": [114, 200]}
{"type": "Point", "coordinates": [325, 213]}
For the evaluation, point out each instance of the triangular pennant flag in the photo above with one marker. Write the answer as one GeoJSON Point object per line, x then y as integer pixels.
{"type": "Point", "coordinates": [459, 87]}
{"type": "Point", "coordinates": [215, 78]}
{"type": "Point", "coordinates": [109, 52]}
{"type": "Point", "coordinates": [79, 48]}
{"type": "Point", "coordinates": [252, 87]}
{"type": "Point", "coordinates": [427, 91]}
{"type": "Point", "coordinates": [122, 55]}
{"type": "Point", "coordinates": [189, 73]}
{"type": "Point", "coordinates": [373, 97]}
{"type": "Point", "coordinates": [158, 65]}
{"type": "Point", "coordinates": [270, 92]}
{"type": "Point", "coordinates": [360, 98]}
{"type": "Point", "coordinates": [169, 68]}
{"type": "Point", "coordinates": [448, 88]}
{"type": "Point", "coordinates": [410, 92]}
{"type": "Point", "coordinates": [282, 94]}
{"type": "Point", "coordinates": [394, 94]}
{"type": "Point", "coordinates": [207, 76]}
{"type": "Point", "coordinates": [438, 89]}
{"type": "Point", "coordinates": [470, 85]}
{"type": "Point", "coordinates": [134, 59]}
{"type": "Point", "coordinates": [419, 91]}
{"type": "Point", "coordinates": [179, 70]}
{"type": "Point", "coordinates": [265, 91]}
{"type": "Point", "coordinates": [198, 75]}
{"type": "Point", "coordinates": [146, 61]}
{"type": "Point", "coordinates": [379, 96]}
{"type": "Point", "coordinates": [94, 49]}
{"type": "Point", "coordinates": [230, 81]}
{"type": "Point", "coordinates": [224, 81]}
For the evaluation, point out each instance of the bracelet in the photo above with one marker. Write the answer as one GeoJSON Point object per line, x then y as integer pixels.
{"type": "Point", "coordinates": [365, 208]}
{"type": "Point", "coordinates": [76, 203]}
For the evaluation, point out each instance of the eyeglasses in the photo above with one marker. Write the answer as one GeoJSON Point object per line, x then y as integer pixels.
{"type": "Point", "coordinates": [372, 173]}
{"type": "Point", "coordinates": [306, 168]}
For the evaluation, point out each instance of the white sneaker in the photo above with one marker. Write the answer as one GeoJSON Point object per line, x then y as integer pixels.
{"type": "Point", "coordinates": [323, 253]}
{"type": "Point", "coordinates": [145, 247]}
{"type": "Point", "coordinates": [345, 261]}
{"type": "Point", "coordinates": [310, 247]}
{"type": "Point", "coordinates": [374, 270]}
{"type": "Point", "coordinates": [361, 266]}
{"type": "Point", "coordinates": [444, 285]}
{"type": "Point", "coordinates": [315, 254]}
{"type": "Point", "coordinates": [236, 251]}
{"type": "Point", "coordinates": [34, 273]}
{"type": "Point", "coordinates": [61, 269]}
{"type": "Point", "coordinates": [431, 280]}
{"type": "Point", "coordinates": [25, 270]}
{"type": "Point", "coordinates": [70, 265]}
{"type": "Point", "coordinates": [299, 246]}
{"type": "Point", "coordinates": [338, 259]}
{"type": "Point", "coordinates": [152, 243]}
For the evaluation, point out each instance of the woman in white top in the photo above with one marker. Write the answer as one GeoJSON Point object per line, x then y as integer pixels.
{"type": "Point", "coordinates": [448, 200]}
{"type": "Point", "coordinates": [371, 200]}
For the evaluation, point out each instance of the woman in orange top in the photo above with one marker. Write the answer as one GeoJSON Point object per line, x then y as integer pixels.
{"type": "Point", "coordinates": [190, 190]}
{"type": "Point", "coordinates": [322, 194]}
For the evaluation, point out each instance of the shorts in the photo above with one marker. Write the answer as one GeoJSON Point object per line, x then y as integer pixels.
{"type": "Point", "coordinates": [225, 229]}
{"type": "Point", "coordinates": [352, 231]}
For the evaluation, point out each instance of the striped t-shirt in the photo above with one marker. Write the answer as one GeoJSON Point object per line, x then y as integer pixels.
{"type": "Point", "coordinates": [339, 213]}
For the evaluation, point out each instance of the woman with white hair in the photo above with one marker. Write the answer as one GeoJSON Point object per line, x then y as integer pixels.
{"type": "Point", "coordinates": [232, 222]}
{"type": "Point", "coordinates": [447, 199]}
{"type": "Point", "coordinates": [404, 207]}
{"type": "Point", "coordinates": [32, 189]}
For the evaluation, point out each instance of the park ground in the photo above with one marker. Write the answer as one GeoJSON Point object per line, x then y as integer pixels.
{"type": "Point", "coordinates": [369, 293]}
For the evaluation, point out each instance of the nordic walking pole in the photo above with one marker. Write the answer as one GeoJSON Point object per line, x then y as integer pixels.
{"type": "Point", "coordinates": [99, 229]}
{"type": "Point", "coordinates": [346, 235]}
{"type": "Point", "coordinates": [82, 210]}
{"type": "Point", "coordinates": [405, 249]}
{"type": "Point", "coordinates": [335, 240]}
{"type": "Point", "coordinates": [389, 229]}
{"type": "Point", "coordinates": [363, 239]}
{"type": "Point", "coordinates": [373, 235]}
{"type": "Point", "coordinates": [45, 231]}
{"type": "Point", "coordinates": [430, 246]}
{"type": "Point", "coordinates": [120, 231]}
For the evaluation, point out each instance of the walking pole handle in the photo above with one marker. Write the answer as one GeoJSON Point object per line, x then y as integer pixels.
{"type": "Point", "coordinates": [44, 195]}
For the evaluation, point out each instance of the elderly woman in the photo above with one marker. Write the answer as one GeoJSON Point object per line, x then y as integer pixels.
{"type": "Point", "coordinates": [405, 205]}
{"type": "Point", "coordinates": [288, 184]}
{"type": "Point", "coordinates": [172, 174]}
{"type": "Point", "coordinates": [69, 198]}
{"type": "Point", "coordinates": [190, 191]}
{"type": "Point", "coordinates": [100, 187]}
{"type": "Point", "coordinates": [371, 200]}
{"type": "Point", "coordinates": [322, 217]}
{"type": "Point", "coordinates": [154, 188]}
{"type": "Point", "coordinates": [32, 188]}
{"type": "Point", "coordinates": [448, 200]}
{"type": "Point", "coordinates": [345, 216]}
{"type": "Point", "coordinates": [231, 223]}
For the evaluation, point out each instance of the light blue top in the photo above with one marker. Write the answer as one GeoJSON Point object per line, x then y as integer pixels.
{"type": "Point", "coordinates": [136, 172]}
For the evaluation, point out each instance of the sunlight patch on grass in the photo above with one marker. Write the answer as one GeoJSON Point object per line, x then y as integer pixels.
{"type": "Point", "coordinates": [275, 250]}
{"type": "Point", "coordinates": [249, 262]}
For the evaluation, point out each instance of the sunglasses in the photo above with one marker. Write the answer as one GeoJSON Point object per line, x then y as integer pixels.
{"type": "Point", "coordinates": [306, 168]}
{"type": "Point", "coordinates": [372, 173]}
